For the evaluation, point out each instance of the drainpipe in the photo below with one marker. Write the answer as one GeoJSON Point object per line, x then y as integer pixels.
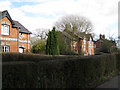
{"type": "Point", "coordinates": [27, 43]}
{"type": "Point", "coordinates": [18, 38]}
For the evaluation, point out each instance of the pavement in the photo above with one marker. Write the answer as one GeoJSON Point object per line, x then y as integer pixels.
{"type": "Point", "coordinates": [112, 84]}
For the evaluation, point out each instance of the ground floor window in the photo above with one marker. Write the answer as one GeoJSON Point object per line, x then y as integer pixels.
{"type": "Point", "coordinates": [90, 51]}
{"type": "Point", "coordinates": [5, 48]}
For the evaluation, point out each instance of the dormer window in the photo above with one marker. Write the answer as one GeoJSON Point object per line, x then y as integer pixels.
{"type": "Point", "coordinates": [5, 28]}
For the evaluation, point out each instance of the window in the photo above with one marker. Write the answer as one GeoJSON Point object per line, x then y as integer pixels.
{"type": "Point", "coordinates": [90, 42]}
{"type": "Point", "coordinates": [95, 46]}
{"type": "Point", "coordinates": [84, 49]}
{"type": "Point", "coordinates": [90, 51]}
{"type": "Point", "coordinates": [5, 48]}
{"type": "Point", "coordinates": [84, 41]}
{"type": "Point", "coordinates": [5, 29]}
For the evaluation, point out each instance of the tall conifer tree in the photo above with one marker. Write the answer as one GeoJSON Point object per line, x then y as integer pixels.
{"type": "Point", "coordinates": [52, 46]}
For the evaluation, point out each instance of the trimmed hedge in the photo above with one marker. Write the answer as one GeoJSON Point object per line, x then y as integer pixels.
{"type": "Point", "coordinates": [36, 71]}
{"type": "Point", "coordinates": [33, 57]}
{"type": "Point", "coordinates": [118, 61]}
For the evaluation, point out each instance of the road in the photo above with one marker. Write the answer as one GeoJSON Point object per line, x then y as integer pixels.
{"type": "Point", "coordinates": [112, 84]}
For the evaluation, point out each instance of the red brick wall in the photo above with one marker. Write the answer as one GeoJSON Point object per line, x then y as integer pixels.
{"type": "Point", "coordinates": [13, 46]}
{"type": "Point", "coordinates": [98, 45]}
{"type": "Point", "coordinates": [25, 37]}
{"type": "Point", "coordinates": [12, 31]}
{"type": "Point", "coordinates": [91, 47]}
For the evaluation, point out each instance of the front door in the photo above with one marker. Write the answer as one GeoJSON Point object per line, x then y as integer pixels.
{"type": "Point", "coordinates": [21, 50]}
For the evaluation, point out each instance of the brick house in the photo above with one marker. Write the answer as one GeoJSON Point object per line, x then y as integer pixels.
{"type": "Point", "coordinates": [83, 45]}
{"type": "Point", "coordinates": [13, 35]}
{"type": "Point", "coordinates": [79, 43]}
{"type": "Point", "coordinates": [99, 43]}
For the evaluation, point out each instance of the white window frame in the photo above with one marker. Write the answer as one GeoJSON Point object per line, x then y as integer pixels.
{"type": "Point", "coordinates": [4, 29]}
{"type": "Point", "coordinates": [84, 41]}
{"type": "Point", "coordinates": [90, 41]}
{"type": "Point", "coordinates": [84, 49]}
{"type": "Point", "coordinates": [90, 51]}
{"type": "Point", "coordinates": [5, 48]}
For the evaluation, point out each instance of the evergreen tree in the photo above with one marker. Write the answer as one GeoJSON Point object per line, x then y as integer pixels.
{"type": "Point", "coordinates": [52, 46]}
{"type": "Point", "coordinates": [57, 44]}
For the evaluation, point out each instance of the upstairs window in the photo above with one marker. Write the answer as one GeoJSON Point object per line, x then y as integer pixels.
{"type": "Point", "coordinates": [84, 41]}
{"type": "Point", "coordinates": [84, 49]}
{"type": "Point", "coordinates": [5, 29]}
{"type": "Point", "coordinates": [90, 41]}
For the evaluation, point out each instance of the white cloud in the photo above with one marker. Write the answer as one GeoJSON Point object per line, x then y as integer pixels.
{"type": "Point", "coordinates": [5, 5]}
{"type": "Point", "coordinates": [102, 13]}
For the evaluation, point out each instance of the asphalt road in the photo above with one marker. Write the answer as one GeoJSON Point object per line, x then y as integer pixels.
{"type": "Point", "coordinates": [112, 84]}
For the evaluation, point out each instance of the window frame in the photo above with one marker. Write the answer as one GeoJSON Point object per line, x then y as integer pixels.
{"type": "Point", "coordinates": [5, 48]}
{"type": "Point", "coordinates": [90, 51]}
{"type": "Point", "coordinates": [5, 29]}
{"type": "Point", "coordinates": [84, 41]}
{"type": "Point", "coordinates": [90, 42]}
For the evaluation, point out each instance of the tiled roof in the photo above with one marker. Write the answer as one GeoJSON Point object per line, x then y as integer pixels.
{"type": "Point", "coordinates": [5, 14]}
{"type": "Point", "coordinates": [21, 27]}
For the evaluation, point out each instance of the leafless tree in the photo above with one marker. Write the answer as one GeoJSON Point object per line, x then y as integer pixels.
{"type": "Point", "coordinates": [74, 23]}
{"type": "Point", "coordinates": [41, 33]}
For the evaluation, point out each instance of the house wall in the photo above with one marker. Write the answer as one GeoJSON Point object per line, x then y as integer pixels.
{"type": "Point", "coordinates": [25, 37]}
{"type": "Point", "coordinates": [13, 46]}
{"type": "Point", "coordinates": [84, 46]}
{"type": "Point", "coordinates": [98, 45]}
{"type": "Point", "coordinates": [91, 47]}
{"type": "Point", "coordinates": [12, 31]}
{"type": "Point", "coordinates": [13, 34]}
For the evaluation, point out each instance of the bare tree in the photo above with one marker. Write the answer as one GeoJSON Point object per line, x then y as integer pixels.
{"type": "Point", "coordinates": [41, 33]}
{"type": "Point", "coordinates": [74, 23]}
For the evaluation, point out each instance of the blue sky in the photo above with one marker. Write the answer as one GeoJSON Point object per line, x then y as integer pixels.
{"type": "Point", "coordinates": [34, 14]}
{"type": "Point", "coordinates": [19, 4]}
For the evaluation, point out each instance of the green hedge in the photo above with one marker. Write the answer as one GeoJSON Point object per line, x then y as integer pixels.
{"type": "Point", "coordinates": [23, 71]}
{"type": "Point", "coordinates": [33, 57]}
{"type": "Point", "coordinates": [118, 61]}
{"type": "Point", "coordinates": [18, 75]}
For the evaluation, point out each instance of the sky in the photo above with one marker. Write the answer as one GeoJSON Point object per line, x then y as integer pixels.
{"type": "Point", "coordinates": [34, 14]}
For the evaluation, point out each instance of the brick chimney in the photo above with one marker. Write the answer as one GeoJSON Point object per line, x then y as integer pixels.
{"type": "Point", "coordinates": [102, 36]}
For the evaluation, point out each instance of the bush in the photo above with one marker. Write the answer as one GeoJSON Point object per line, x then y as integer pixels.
{"type": "Point", "coordinates": [118, 61]}
{"type": "Point", "coordinates": [36, 71]}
